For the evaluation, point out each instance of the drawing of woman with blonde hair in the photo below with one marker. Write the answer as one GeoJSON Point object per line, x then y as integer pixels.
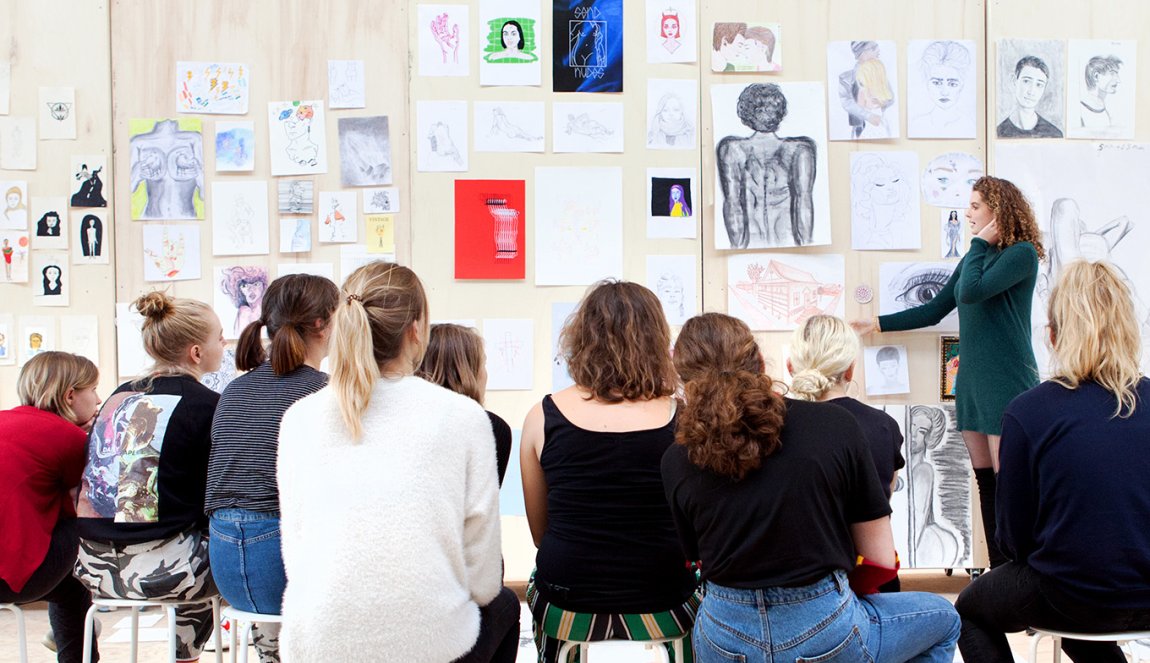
{"type": "Point", "coordinates": [875, 95]}
{"type": "Point", "coordinates": [15, 211]}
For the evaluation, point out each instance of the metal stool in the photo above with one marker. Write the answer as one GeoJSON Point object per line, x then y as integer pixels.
{"type": "Point", "coordinates": [585, 646]}
{"type": "Point", "coordinates": [1056, 636]}
{"type": "Point", "coordinates": [247, 619]}
{"type": "Point", "coordinates": [21, 640]}
{"type": "Point", "coordinates": [169, 607]}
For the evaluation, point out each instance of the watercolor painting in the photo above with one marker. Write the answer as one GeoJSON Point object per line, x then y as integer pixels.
{"type": "Point", "coordinates": [235, 146]}
{"type": "Point", "coordinates": [212, 87]}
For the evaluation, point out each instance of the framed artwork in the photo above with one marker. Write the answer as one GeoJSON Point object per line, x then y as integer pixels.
{"type": "Point", "coordinates": [947, 367]}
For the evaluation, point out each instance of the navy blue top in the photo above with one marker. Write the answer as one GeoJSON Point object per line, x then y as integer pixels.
{"type": "Point", "coordinates": [1073, 499]}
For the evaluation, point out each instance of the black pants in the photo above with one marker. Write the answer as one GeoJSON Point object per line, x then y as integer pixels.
{"type": "Point", "coordinates": [498, 631]}
{"type": "Point", "coordinates": [68, 599]}
{"type": "Point", "coordinates": [1013, 596]}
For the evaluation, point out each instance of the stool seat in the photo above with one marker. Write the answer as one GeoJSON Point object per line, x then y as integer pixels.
{"type": "Point", "coordinates": [247, 619]}
{"type": "Point", "coordinates": [169, 607]}
{"type": "Point", "coordinates": [654, 643]}
{"type": "Point", "coordinates": [21, 639]}
{"type": "Point", "coordinates": [1057, 636]}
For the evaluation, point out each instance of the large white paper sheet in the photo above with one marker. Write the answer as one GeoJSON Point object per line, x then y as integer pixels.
{"type": "Point", "coordinates": [578, 225]}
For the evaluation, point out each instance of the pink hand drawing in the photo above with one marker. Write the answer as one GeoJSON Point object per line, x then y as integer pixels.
{"type": "Point", "coordinates": [446, 40]}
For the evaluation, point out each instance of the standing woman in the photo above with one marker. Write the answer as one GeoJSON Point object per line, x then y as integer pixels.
{"type": "Point", "coordinates": [992, 287]}
{"type": "Point", "coordinates": [389, 499]}
{"type": "Point", "coordinates": [42, 446]}
{"type": "Point", "coordinates": [143, 533]}
{"type": "Point", "coordinates": [609, 565]}
{"type": "Point", "coordinates": [242, 499]}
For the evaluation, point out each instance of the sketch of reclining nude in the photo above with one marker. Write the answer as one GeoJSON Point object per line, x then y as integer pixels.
{"type": "Point", "coordinates": [583, 124]}
{"type": "Point", "coordinates": [937, 490]}
{"type": "Point", "coordinates": [767, 181]}
{"type": "Point", "coordinates": [501, 125]}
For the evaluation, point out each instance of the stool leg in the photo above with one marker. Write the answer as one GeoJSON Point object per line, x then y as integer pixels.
{"type": "Point", "coordinates": [679, 651]}
{"type": "Point", "coordinates": [89, 632]}
{"type": "Point", "coordinates": [244, 641]}
{"type": "Point", "coordinates": [1057, 649]}
{"type": "Point", "coordinates": [135, 633]}
{"type": "Point", "coordinates": [564, 652]}
{"type": "Point", "coordinates": [216, 629]}
{"type": "Point", "coordinates": [20, 633]}
{"type": "Point", "coordinates": [173, 641]}
{"type": "Point", "coordinates": [1034, 640]}
{"type": "Point", "coordinates": [232, 625]}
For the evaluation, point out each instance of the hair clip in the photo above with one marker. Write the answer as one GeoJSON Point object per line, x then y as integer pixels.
{"type": "Point", "coordinates": [354, 297]}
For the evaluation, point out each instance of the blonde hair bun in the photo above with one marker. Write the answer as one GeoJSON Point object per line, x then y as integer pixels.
{"type": "Point", "coordinates": [154, 305]}
{"type": "Point", "coordinates": [809, 384]}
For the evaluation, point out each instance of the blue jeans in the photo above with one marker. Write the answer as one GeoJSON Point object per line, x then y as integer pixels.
{"type": "Point", "coordinates": [823, 622]}
{"type": "Point", "coordinates": [246, 560]}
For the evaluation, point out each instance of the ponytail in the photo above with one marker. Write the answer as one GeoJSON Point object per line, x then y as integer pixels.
{"type": "Point", "coordinates": [289, 350]}
{"type": "Point", "coordinates": [250, 348]}
{"type": "Point", "coordinates": [353, 368]}
{"type": "Point", "coordinates": [731, 421]}
{"type": "Point", "coordinates": [290, 311]}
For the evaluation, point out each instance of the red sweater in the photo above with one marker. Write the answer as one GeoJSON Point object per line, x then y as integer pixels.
{"type": "Point", "coordinates": [41, 458]}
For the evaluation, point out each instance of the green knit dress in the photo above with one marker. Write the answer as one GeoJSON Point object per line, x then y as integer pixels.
{"type": "Point", "coordinates": [992, 289]}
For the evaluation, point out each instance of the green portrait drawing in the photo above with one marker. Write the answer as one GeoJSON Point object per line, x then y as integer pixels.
{"type": "Point", "coordinates": [511, 41]}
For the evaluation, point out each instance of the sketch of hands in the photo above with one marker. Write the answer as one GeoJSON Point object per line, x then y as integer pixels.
{"type": "Point", "coordinates": [447, 40]}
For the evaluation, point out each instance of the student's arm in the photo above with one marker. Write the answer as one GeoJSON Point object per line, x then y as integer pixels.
{"type": "Point", "coordinates": [977, 283]}
{"type": "Point", "coordinates": [873, 541]}
{"type": "Point", "coordinates": [802, 178]}
{"type": "Point", "coordinates": [1017, 496]}
{"type": "Point", "coordinates": [930, 313]}
{"type": "Point", "coordinates": [534, 484]}
{"type": "Point", "coordinates": [482, 553]}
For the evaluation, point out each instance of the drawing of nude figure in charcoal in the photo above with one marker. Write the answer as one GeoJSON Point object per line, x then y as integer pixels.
{"type": "Point", "coordinates": [939, 526]}
{"type": "Point", "coordinates": [170, 164]}
{"type": "Point", "coordinates": [767, 181]}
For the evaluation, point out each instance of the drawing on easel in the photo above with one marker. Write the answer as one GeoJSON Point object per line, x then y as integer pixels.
{"type": "Point", "coordinates": [778, 291]}
{"type": "Point", "coordinates": [296, 133]}
{"type": "Point", "coordinates": [167, 169]}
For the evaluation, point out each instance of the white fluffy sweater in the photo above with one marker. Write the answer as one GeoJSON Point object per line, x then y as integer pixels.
{"type": "Point", "coordinates": [390, 544]}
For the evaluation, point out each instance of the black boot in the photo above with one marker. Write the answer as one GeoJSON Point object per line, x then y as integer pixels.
{"type": "Point", "coordinates": [987, 489]}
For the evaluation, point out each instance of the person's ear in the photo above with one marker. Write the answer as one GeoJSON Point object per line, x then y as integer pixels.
{"type": "Point", "coordinates": [849, 374]}
{"type": "Point", "coordinates": [790, 368]}
{"type": "Point", "coordinates": [70, 395]}
{"type": "Point", "coordinates": [196, 354]}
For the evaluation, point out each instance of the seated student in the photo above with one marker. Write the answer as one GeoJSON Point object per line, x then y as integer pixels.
{"type": "Point", "coordinates": [389, 499]}
{"type": "Point", "coordinates": [608, 565]}
{"type": "Point", "coordinates": [42, 447]}
{"type": "Point", "coordinates": [778, 498]}
{"type": "Point", "coordinates": [143, 533]}
{"type": "Point", "coordinates": [1073, 501]}
{"type": "Point", "coordinates": [241, 498]}
{"type": "Point", "coordinates": [455, 359]}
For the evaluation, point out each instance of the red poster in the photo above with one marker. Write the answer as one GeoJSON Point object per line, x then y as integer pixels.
{"type": "Point", "coordinates": [490, 225]}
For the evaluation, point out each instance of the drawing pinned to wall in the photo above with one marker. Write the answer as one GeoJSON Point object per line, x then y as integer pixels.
{"type": "Point", "coordinates": [364, 151]}
{"type": "Point", "coordinates": [671, 28]}
{"type": "Point", "coordinates": [89, 188]}
{"type": "Point", "coordinates": [1031, 84]}
{"type": "Point", "coordinates": [578, 225]}
{"type": "Point", "coordinates": [778, 291]}
{"type": "Point", "coordinates": [510, 348]}
{"type": "Point", "coordinates": [947, 367]}
{"type": "Point", "coordinates": [324, 269]}
{"type": "Point", "coordinates": [770, 137]}
{"type": "Point", "coordinates": [295, 196]}
{"type": "Point", "coordinates": [949, 178]}
{"type": "Point", "coordinates": [951, 224]}
{"type": "Point", "coordinates": [51, 275]}
{"type": "Point", "coordinates": [354, 256]}
{"type": "Point", "coordinates": [932, 496]}
{"type": "Point", "coordinates": [942, 89]}
{"type": "Point", "coordinates": [509, 47]}
{"type": "Point", "coordinates": [7, 339]}
{"type": "Point", "coordinates": [905, 285]}
{"type": "Point", "coordinates": [587, 127]}
{"type": "Point", "coordinates": [131, 359]}
{"type": "Point", "coordinates": [588, 45]}
{"type": "Point", "coordinates": [80, 334]}
{"type": "Point", "coordinates": [884, 201]}
{"type": "Point", "coordinates": [1103, 77]}
{"type": "Point", "coordinates": [509, 126]}
{"type": "Point", "coordinates": [490, 229]}
{"type": "Point", "coordinates": [212, 87]}
{"type": "Point", "coordinates": [18, 142]}
{"type": "Point", "coordinates": [15, 213]}
{"type": "Point", "coordinates": [91, 237]}
{"type": "Point", "coordinates": [167, 169]}
{"type": "Point", "coordinates": [441, 135]}
{"type": "Point", "coordinates": [560, 376]}
{"type": "Point", "coordinates": [235, 146]}
{"type": "Point", "coordinates": [239, 218]}
{"type": "Point", "coordinates": [672, 115]}
{"type": "Point", "coordinates": [384, 200]}
{"type": "Point", "coordinates": [444, 42]}
{"type": "Point", "coordinates": [239, 295]}
{"type": "Point", "coordinates": [37, 333]}
{"type": "Point", "coordinates": [739, 47]}
{"type": "Point", "coordinates": [864, 76]}
{"type": "Point", "coordinates": [295, 235]}
{"type": "Point", "coordinates": [673, 280]}
{"type": "Point", "coordinates": [672, 195]}
{"type": "Point", "coordinates": [171, 253]}
{"type": "Point", "coordinates": [296, 134]}
{"type": "Point", "coordinates": [346, 86]}
{"type": "Point", "coordinates": [219, 380]}
{"type": "Point", "coordinates": [14, 248]}
{"type": "Point", "coordinates": [50, 219]}
{"type": "Point", "coordinates": [339, 217]}
{"type": "Point", "coordinates": [887, 370]}
{"type": "Point", "coordinates": [5, 85]}
{"type": "Point", "coordinates": [57, 113]}
{"type": "Point", "coordinates": [380, 233]}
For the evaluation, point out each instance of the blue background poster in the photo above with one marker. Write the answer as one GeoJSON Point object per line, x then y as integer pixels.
{"type": "Point", "coordinates": [588, 38]}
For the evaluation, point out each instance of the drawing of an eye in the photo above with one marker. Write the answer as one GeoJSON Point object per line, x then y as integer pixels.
{"type": "Point", "coordinates": [919, 287]}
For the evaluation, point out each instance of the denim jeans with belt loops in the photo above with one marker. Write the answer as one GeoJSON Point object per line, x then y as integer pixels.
{"type": "Point", "coordinates": [823, 622]}
{"type": "Point", "coordinates": [247, 564]}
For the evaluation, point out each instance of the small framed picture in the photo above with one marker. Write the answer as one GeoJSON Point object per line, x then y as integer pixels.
{"type": "Point", "coordinates": [947, 367]}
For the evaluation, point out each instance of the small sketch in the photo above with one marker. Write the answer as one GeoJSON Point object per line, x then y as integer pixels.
{"type": "Point", "coordinates": [51, 278]}
{"type": "Point", "coordinates": [1101, 99]}
{"type": "Point", "coordinates": [212, 87]}
{"type": "Point", "coordinates": [57, 113]}
{"type": "Point", "coordinates": [514, 37]}
{"type": "Point", "coordinates": [346, 87]}
{"type": "Point", "coordinates": [1030, 88]}
{"type": "Point", "coordinates": [939, 102]}
{"type": "Point", "coordinates": [444, 47]}
{"type": "Point", "coordinates": [1101, 81]}
{"type": "Point", "coordinates": [295, 235]}
{"type": "Point", "coordinates": [296, 137]}
{"type": "Point", "coordinates": [239, 218]}
{"type": "Point", "coordinates": [583, 125]}
{"type": "Point", "coordinates": [673, 280]}
{"type": "Point", "coordinates": [866, 94]}
{"type": "Point", "coordinates": [91, 191]}
{"type": "Point", "coordinates": [441, 136]}
{"type": "Point", "coordinates": [172, 253]}
{"type": "Point", "coordinates": [339, 220]}
{"type": "Point", "coordinates": [949, 178]}
{"type": "Point", "coordinates": [671, 121]}
{"type": "Point", "coordinates": [243, 287]}
{"type": "Point", "coordinates": [15, 213]}
{"type": "Point", "coordinates": [905, 285]}
{"type": "Point", "coordinates": [380, 201]}
{"type": "Point", "coordinates": [510, 347]}
{"type": "Point", "coordinates": [18, 142]}
{"type": "Point", "coordinates": [509, 126]}
{"type": "Point", "coordinates": [446, 34]}
{"type": "Point", "coordinates": [587, 127]}
{"type": "Point", "coordinates": [14, 247]}
{"type": "Point", "coordinates": [441, 144]}
{"type": "Point", "coordinates": [887, 370]}
{"type": "Point", "coordinates": [952, 246]}
{"type": "Point", "coordinates": [235, 146]}
{"type": "Point", "coordinates": [738, 47]}
{"type": "Point", "coordinates": [884, 201]}
{"type": "Point", "coordinates": [500, 125]}
{"type": "Point", "coordinates": [296, 196]}
{"type": "Point", "coordinates": [780, 292]}
{"type": "Point", "coordinates": [167, 159]}
{"type": "Point", "coordinates": [364, 151]}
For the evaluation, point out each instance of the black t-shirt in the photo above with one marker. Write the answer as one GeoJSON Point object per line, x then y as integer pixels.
{"type": "Point", "coordinates": [502, 443]}
{"type": "Point", "coordinates": [881, 432]}
{"type": "Point", "coordinates": [786, 524]}
{"type": "Point", "coordinates": [147, 465]}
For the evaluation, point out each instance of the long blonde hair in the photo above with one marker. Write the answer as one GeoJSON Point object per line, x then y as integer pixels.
{"type": "Point", "coordinates": [871, 74]}
{"type": "Point", "coordinates": [1094, 332]}
{"type": "Point", "coordinates": [46, 378]}
{"type": "Point", "coordinates": [822, 351]}
{"type": "Point", "coordinates": [379, 302]}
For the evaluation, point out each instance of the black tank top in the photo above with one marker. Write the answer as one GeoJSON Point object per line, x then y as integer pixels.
{"type": "Point", "coordinates": [610, 544]}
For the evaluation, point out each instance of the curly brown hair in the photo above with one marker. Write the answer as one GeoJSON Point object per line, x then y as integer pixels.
{"type": "Point", "coordinates": [730, 422]}
{"type": "Point", "coordinates": [1012, 213]}
{"type": "Point", "coordinates": [617, 344]}
{"type": "Point", "coordinates": [715, 342]}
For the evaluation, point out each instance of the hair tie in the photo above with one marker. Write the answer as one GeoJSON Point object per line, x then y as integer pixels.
{"type": "Point", "coordinates": [351, 298]}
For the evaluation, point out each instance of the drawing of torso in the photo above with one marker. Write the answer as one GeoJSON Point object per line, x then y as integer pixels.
{"type": "Point", "coordinates": [169, 163]}
{"type": "Point", "coordinates": [767, 183]}
{"type": "Point", "coordinates": [932, 540]}
{"type": "Point", "coordinates": [1091, 117]}
{"type": "Point", "coordinates": [587, 44]}
{"type": "Point", "coordinates": [501, 125]}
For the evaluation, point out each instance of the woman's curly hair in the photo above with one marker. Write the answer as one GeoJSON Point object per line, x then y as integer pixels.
{"type": "Point", "coordinates": [1012, 212]}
